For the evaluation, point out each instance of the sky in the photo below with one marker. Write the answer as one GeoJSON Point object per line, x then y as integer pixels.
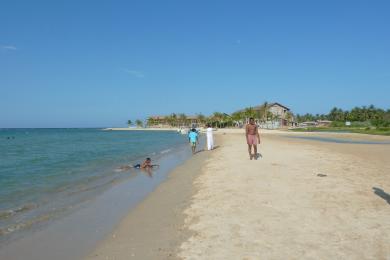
{"type": "Point", "coordinates": [100, 63]}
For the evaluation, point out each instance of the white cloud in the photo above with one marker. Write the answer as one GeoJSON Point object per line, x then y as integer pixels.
{"type": "Point", "coordinates": [135, 73]}
{"type": "Point", "coordinates": [8, 47]}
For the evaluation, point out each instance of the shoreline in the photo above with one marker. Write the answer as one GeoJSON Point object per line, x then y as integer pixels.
{"type": "Point", "coordinates": [154, 229]}
{"type": "Point", "coordinates": [173, 221]}
{"type": "Point", "coordinates": [199, 211]}
{"type": "Point", "coordinates": [138, 129]}
{"type": "Point", "coordinates": [74, 235]}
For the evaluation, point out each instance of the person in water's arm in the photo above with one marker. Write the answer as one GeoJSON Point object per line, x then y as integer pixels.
{"type": "Point", "coordinates": [252, 137]}
{"type": "Point", "coordinates": [193, 139]}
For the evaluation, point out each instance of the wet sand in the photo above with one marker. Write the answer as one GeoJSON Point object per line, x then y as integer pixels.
{"type": "Point", "coordinates": [154, 229]}
{"type": "Point", "coordinates": [75, 234]}
{"type": "Point", "coordinates": [303, 199]}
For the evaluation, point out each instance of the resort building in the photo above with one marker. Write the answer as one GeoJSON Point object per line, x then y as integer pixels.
{"type": "Point", "coordinates": [275, 115]}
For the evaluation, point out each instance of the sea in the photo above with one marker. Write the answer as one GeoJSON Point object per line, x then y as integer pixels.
{"type": "Point", "coordinates": [46, 173]}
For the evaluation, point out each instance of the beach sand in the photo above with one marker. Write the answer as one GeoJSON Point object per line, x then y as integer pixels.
{"type": "Point", "coordinates": [154, 229]}
{"type": "Point", "coordinates": [303, 199]}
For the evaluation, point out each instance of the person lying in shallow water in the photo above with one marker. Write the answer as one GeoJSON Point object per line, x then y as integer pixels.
{"type": "Point", "coordinates": [147, 164]}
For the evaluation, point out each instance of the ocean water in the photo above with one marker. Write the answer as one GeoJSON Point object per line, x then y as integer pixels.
{"type": "Point", "coordinates": [45, 173]}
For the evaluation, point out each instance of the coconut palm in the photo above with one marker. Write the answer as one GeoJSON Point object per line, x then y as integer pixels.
{"type": "Point", "coordinates": [182, 118]}
{"type": "Point", "coordinates": [217, 117]}
{"type": "Point", "coordinates": [237, 117]}
{"type": "Point", "coordinates": [138, 123]}
{"type": "Point", "coordinates": [249, 112]}
{"type": "Point", "coordinates": [201, 118]}
{"type": "Point", "coordinates": [150, 121]}
{"type": "Point", "coordinates": [129, 123]}
{"type": "Point", "coordinates": [172, 119]}
{"type": "Point", "coordinates": [264, 111]}
{"type": "Point", "coordinates": [289, 118]}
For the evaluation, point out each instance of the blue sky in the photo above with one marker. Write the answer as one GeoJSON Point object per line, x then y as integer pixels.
{"type": "Point", "coordinates": [99, 63]}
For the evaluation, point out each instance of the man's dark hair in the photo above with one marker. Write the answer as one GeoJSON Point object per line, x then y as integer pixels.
{"type": "Point", "coordinates": [148, 159]}
{"type": "Point", "coordinates": [251, 118]}
{"type": "Point", "coordinates": [193, 130]}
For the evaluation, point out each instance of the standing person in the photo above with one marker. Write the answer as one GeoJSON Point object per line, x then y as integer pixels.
{"type": "Point", "coordinates": [210, 139]}
{"type": "Point", "coordinates": [252, 137]}
{"type": "Point", "coordinates": [193, 139]}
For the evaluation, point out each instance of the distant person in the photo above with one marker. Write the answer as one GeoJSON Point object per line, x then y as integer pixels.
{"type": "Point", "coordinates": [147, 164]}
{"type": "Point", "coordinates": [252, 137]}
{"type": "Point", "coordinates": [210, 139]}
{"type": "Point", "coordinates": [193, 139]}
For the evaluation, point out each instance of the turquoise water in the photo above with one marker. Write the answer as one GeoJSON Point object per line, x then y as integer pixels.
{"type": "Point", "coordinates": [46, 172]}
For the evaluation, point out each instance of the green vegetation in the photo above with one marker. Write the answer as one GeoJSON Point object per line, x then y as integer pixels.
{"type": "Point", "coordinates": [364, 120]}
{"type": "Point", "coordinates": [373, 116]}
{"type": "Point", "coordinates": [367, 120]}
{"type": "Point", "coordinates": [138, 123]}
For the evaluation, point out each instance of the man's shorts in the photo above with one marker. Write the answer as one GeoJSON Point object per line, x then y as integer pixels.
{"type": "Point", "coordinates": [252, 139]}
{"type": "Point", "coordinates": [193, 143]}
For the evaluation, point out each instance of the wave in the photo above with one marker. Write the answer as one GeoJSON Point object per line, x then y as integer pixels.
{"type": "Point", "coordinates": [12, 212]}
{"type": "Point", "coordinates": [165, 151]}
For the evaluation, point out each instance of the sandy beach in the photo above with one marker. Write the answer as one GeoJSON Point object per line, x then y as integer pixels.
{"type": "Point", "coordinates": [303, 199]}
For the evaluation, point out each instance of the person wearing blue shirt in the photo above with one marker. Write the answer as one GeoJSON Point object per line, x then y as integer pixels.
{"type": "Point", "coordinates": [193, 139]}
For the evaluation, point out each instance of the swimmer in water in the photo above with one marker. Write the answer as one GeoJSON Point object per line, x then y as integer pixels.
{"type": "Point", "coordinates": [147, 164]}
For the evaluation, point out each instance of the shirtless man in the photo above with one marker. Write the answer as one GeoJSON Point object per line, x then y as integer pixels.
{"type": "Point", "coordinates": [252, 137]}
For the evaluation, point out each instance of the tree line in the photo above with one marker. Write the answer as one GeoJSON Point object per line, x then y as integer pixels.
{"type": "Point", "coordinates": [371, 114]}
{"type": "Point", "coordinates": [220, 119]}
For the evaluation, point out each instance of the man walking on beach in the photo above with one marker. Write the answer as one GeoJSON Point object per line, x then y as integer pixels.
{"type": "Point", "coordinates": [252, 137]}
{"type": "Point", "coordinates": [193, 139]}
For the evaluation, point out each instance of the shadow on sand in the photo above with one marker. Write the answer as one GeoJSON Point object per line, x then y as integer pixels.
{"type": "Point", "coordinates": [199, 151]}
{"type": "Point", "coordinates": [203, 150]}
{"type": "Point", "coordinates": [381, 193]}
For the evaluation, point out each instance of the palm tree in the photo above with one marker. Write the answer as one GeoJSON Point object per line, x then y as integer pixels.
{"type": "Point", "coordinates": [183, 118]}
{"type": "Point", "coordinates": [150, 121]}
{"type": "Point", "coordinates": [237, 117]}
{"type": "Point", "coordinates": [249, 112]}
{"type": "Point", "coordinates": [174, 119]}
{"type": "Point", "coordinates": [138, 123]}
{"type": "Point", "coordinates": [264, 111]}
{"type": "Point", "coordinates": [216, 117]}
{"type": "Point", "coordinates": [201, 118]}
{"type": "Point", "coordinates": [226, 119]}
{"type": "Point", "coordinates": [129, 123]}
{"type": "Point", "coordinates": [289, 117]}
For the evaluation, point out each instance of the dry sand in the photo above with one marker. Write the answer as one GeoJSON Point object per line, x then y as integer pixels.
{"type": "Point", "coordinates": [278, 207]}
{"type": "Point", "coordinates": [221, 205]}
